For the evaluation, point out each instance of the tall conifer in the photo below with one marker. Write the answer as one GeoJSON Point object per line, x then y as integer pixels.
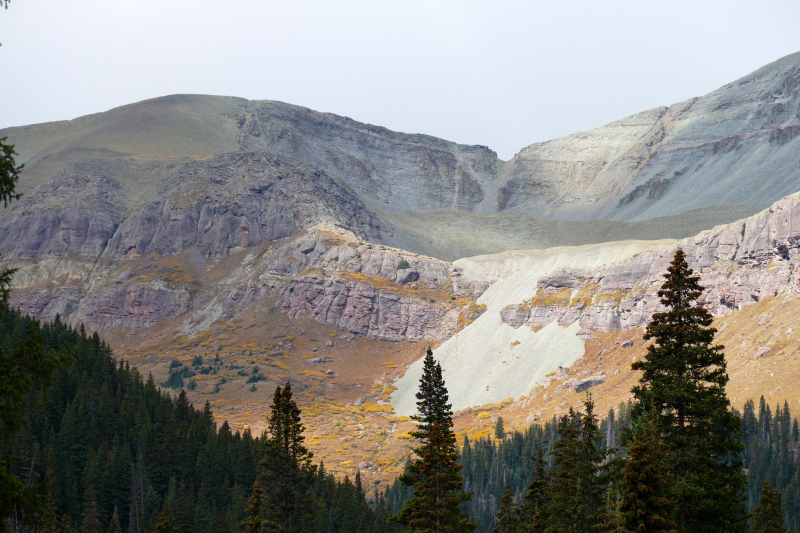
{"type": "Point", "coordinates": [575, 496]}
{"type": "Point", "coordinates": [683, 378]}
{"type": "Point", "coordinates": [644, 505]}
{"type": "Point", "coordinates": [533, 517]}
{"type": "Point", "coordinates": [287, 469]}
{"type": "Point", "coordinates": [768, 514]}
{"type": "Point", "coordinates": [435, 474]}
{"type": "Point", "coordinates": [508, 515]}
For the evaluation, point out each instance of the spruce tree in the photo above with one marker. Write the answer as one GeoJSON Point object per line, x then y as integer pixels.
{"type": "Point", "coordinates": [165, 523]}
{"type": "Point", "coordinates": [768, 514]}
{"type": "Point", "coordinates": [508, 515]}
{"type": "Point", "coordinates": [91, 517]}
{"type": "Point", "coordinates": [683, 378]}
{"type": "Point", "coordinates": [533, 517]}
{"type": "Point", "coordinates": [254, 505]}
{"type": "Point", "coordinates": [575, 496]}
{"type": "Point", "coordinates": [499, 429]}
{"type": "Point", "coordinates": [612, 519]}
{"type": "Point", "coordinates": [287, 469]}
{"type": "Point", "coordinates": [644, 505]}
{"type": "Point", "coordinates": [435, 473]}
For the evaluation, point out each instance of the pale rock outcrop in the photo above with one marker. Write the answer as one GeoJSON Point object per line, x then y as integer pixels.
{"type": "Point", "coordinates": [738, 264]}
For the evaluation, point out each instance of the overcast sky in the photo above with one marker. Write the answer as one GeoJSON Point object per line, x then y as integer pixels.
{"type": "Point", "coordinates": [501, 74]}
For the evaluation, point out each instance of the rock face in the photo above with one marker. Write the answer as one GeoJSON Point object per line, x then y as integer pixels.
{"type": "Point", "coordinates": [736, 145]}
{"type": "Point", "coordinates": [197, 208]}
{"type": "Point", "coordinates": [219, 204]}
{"type": "Point", "coordinates": [738, 264]}
{"type": "Point", "coordinates": [324, 275]}
{"type": "Point", "coordinates": [724, 147]}
{"type": "Point", "coordinates": [367, 295]}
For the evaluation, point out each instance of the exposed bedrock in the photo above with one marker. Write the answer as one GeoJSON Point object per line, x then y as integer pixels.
{"type": "Point", "coordinates": [237, 201]}
{"type": "Point", "coordinates": [364, 310]}
{"type": "Point", "coordinates": [738, 264]}
{"type": "Point", "coordinates": [133, 307]}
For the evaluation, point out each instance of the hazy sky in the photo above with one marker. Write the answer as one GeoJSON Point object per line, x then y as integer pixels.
{"type": "Point", "coordinates": [501, 74]}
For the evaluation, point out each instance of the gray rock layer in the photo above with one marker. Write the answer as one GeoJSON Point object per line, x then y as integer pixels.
{"type": "Point", "coordinates": [739, 264]}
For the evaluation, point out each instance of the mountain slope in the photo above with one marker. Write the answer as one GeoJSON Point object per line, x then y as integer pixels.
{"type": "Point", "coordinates": [737, 145]}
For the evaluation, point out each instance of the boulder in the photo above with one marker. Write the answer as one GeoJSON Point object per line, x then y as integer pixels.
{"type": "Point", "coordinates": [588, 383]}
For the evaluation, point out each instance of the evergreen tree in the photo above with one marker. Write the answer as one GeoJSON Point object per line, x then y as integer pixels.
{"type": "Point", "coordinates": [612, 519]}
{"type": "Point", "coordinates": [91, 517]}
{"type": "Point", "coordinates": [508, 515]}
{"type": "Point", "coordinates": [288, 471]}
{"type": "Point", "coordinates": [575, 497]}
{"type": "Point", "coordinates": [683, 378]}
{"type": "Point", "coordinates": [165, 523]}
{"type": "Point", "coordinates": [533, 518]}
{"type": "Point", "coordinates": [499, 429]}
{"type": "Point", "coordinates": [113, 527]}
{"type": "Point", "coordinates": [644, 506]}
{"type": "Point", "coordinates": [254, 504]}
{"type": "Point", "coordinates": [435, 474]}
{"type": "Point", "coordinates": [768, 514]}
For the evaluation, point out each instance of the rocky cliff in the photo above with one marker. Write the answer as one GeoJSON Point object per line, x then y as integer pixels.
{"type": "Point", "coordinates": [369, 290]}
{"type": "Point", "coordinates": [735, 146]}
{"type": "Point", "coordinates": [543, 305]}
{"type": "Point", "coordinates": [739, 264]}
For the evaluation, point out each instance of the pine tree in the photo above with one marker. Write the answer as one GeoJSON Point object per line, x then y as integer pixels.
{"type": "Point", "coordinates": [254, 504]}
{"type": "Point", "coordinates": [508, 515]}
{"type": "Point", "coordinates": [499, 429]}
{"type": "Point", "coordinates": [287, 468]}
{"type": "Point", "coordinates": [435, 474]}
{"type": "Point", "coordinates": [533, 517]}
{"type": "Point", "coordinates": [113, 527]}
{"type": "Point", "coordinates": [91, 517]}
{"type": "Point", "coordinates": [768, 514]}
{"type": "Point", "coordinates": [165, 523]}
{"type": "Point", "coordinates": [644, 506]}
{"type": "Point", "coordinates": [612, 519]}
{"type": "Point", "coordinates": [684, 378]}
{"type": "Point", "coordinates": [575, 497]}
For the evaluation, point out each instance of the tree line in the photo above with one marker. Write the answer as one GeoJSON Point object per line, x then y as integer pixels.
{"type": "Point", "coordinates": [102, 444]}
{"type": "Point", "coordinates": [676, 459]}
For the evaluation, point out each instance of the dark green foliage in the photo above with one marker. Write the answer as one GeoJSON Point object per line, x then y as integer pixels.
{"type": "Point", "coordinates": [175, 364]}
{"type": "Point", "coordinates": [435, 474]}
{"type": "Point", "coordinates": [768, 514]}
{"type": "Point", "coordinates": [499, 429]}
{"type": "Point", "coordinates": [533, 512]}
{"type": "Point", "coordinates": [403, 264]}
{"type": "Point", "coordinates": [197, 360]}
{"type": "Point", "coordinates": [508, 516]}
{"type": "Point", "coordinates": [174, 380]}
{"type": "Point", "coordinates": [644, 483]}
{"type": "Point", "coordinates": [254, 523]}
{"type": "Point", "coordinates": [191, 385]}
{"type": "Point", "coordinates": [166, 522]}
{"type": "Point", "coordinates": [256, 376]}
{"type": "Point", "coordinates": [26, 366]}
{"type": "Point", "coordinates": [113, 526]}
{"type": "Point", "coordinates": [91, 516]}
{"type": "Point", "coordinates": [574, 499]}
{"type": "Point", "coordinates": [287, 469]}
{"type": "Point", "coordinates": [684, 378]}
{"type": "Point", "coordinates": [9, 172]}
{"type": "Point", "coordinates": [101, 426]}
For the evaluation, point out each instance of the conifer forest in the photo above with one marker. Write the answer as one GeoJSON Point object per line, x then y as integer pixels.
{"type": "Point", "coordinates": [100, 448]}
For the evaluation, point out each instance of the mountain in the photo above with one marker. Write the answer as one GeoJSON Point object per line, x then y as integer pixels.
{"type": "Point", "coordinates": [285, 243]}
